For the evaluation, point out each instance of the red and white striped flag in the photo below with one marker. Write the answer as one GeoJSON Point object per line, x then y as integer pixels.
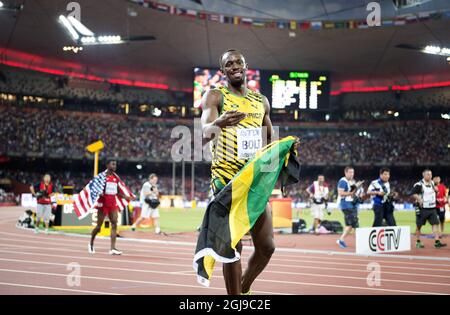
{"type": "Point", "coordinates": [124, 190]}
{"type": "Point", "coordinates": [86, 200]}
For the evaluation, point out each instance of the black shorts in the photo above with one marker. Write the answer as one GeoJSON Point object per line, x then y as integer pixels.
{"type": "Point", "coordinates": [441, 214]}
{"type": "Point", "coordinates": [351, 217]}
{"type": "Point", "coordinates": [424, 215]}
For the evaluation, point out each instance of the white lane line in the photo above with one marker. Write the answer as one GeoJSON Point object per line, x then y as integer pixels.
{"type": "Point", "coordinates": [155, 283]}
{"type": "Point", "coordinates": [278, 249]}
{"type": "Point", "coordinates": [272, 264]}
{"type": "Point", "coordinates": [258, 280]}
{"type": "Point", "coordinates": [118, 269]}
{"type": "Point", "coordinates": [348, 287]}
{"type": "Point", "coordinates": [190, 254]}
{"type": "Point", "coordinates": [320, 269]}
{"type": "Point", "coordinates": [54, 288]}
{"type": "Point", "coordinates": [192, 272]}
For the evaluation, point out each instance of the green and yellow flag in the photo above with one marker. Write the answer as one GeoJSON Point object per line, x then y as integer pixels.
{"type": "Point", "coordinates": [236, 208]}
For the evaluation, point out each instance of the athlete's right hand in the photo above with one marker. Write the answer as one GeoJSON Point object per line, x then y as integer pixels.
{"type": "Point", "coordinates": [229, 118]}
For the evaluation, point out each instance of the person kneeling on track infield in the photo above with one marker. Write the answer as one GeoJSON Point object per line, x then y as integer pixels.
{"type": "Point", "coordinates": [348, 199]}
{"type": "Point", "coordinates": [149, 200]}
{"type": "Point", "coordinates": [424, 194]}
{"type": "Point", "coordinates": [107, 206]}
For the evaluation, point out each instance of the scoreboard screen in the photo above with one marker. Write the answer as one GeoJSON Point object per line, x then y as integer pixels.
{"type": "Point", "coordinates": [301, 90]}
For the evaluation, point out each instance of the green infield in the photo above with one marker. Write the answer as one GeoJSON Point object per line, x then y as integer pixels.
{"type": "Point", "coordinates": [178, 220]}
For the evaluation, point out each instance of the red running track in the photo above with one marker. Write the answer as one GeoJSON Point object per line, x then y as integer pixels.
{"type": "Point", "coordinates": [43, 264]}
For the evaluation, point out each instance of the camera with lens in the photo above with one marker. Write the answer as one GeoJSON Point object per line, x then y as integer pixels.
{"type": "Point", "coordinates": [152, 202]}
{"type": "Point", "coordinates": [357, 199]}
{"type": "Point", "coordinates": [42, 194]}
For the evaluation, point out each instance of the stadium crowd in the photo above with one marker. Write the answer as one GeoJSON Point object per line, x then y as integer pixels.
{"type": "Point", "coordinates": [65, 134]}
{"type": "Point", "coordinates": [202, 186]}
{"type": "Point", "coordinates": [24, 82]}
{"type": "Point", "coordinates": [79, 179]}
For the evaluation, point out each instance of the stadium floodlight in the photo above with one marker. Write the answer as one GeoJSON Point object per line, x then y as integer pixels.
{"type": "Point", "coordinates": [88, 40]}
{"type": "Point", "coordinates": [101, 40]}
{"type": "Point", "coordinates": [404, 4]}
{"type": "Point", "coordinates": [84, 36]}
{"type": "Point", "coordinates": [109, 39]}
{"type": "Point", "coordinates": [69, 27]}
{"type": "Point", "coordinates": [436, 50]}
{"type": "Point", "coordinates": [83, 30]}
{"type": "Point", "coordinates": [10, 7]}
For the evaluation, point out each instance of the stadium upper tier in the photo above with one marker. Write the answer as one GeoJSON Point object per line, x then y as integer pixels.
{"type": "Point", "coordinates": [25, 82]}
{"type": "Point", "coordinates": [65, 134]}
{"type": "Point", "coordinates": [72, 93]}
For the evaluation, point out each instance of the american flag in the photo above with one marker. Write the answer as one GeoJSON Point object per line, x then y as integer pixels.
{"type": "Point", "coordinates": [87, 198]}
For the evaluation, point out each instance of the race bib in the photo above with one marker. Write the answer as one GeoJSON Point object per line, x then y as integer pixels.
{"type": "Point", "coordinates": [249, 140]}
{"type": "Point", "coordinates": [429, 200]}
{"type": "Point", "coordinates": [111, 188]}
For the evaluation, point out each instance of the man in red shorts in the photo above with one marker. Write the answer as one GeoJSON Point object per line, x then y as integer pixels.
{"type": "Point", "coordinates": [107, 206]}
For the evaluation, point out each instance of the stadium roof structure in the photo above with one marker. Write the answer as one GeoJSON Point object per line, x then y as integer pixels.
{"type": "Point", "coordinates": [366, 57]}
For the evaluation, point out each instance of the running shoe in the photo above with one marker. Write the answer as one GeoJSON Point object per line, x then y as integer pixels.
{"type": "Point", "coordinates": [438, 244]}
{"type": "Point", "coordinates": [419, 244]}
{"type": "Point", "coordinates": [36, 231]}
{"type": "Point", "coordinates": [115, 252]}
{"type": "Point", "coordinates": [249, 292]}
{"type": "Point", "coordinates": [341, 244]}
{"type": "Point", "coordinates": [157, 230]}
{"type": "Point", "coordinates": [91, 249]}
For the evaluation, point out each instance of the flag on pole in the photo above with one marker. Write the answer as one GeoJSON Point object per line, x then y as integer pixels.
{"type": "Point", "coordinates": [305, 25]}
{"type": "Point", "coordinates": [235, 209]}
{"type": "Point", "coordinates": [246, 21]}
{"type": "Point", "coordinates": [293, 25]}
{"type": "Point", "coordinates": [316, 25]}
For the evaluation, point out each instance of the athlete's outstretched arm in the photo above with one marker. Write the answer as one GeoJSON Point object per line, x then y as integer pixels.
{"type": "Point", "coordinates": [267, 122]}
{"type": "Point", "coordinates": [211, 121]}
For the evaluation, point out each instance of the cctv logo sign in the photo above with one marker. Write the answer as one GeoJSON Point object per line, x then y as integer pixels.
{"type": "Point", "coordinates": [383, 239]}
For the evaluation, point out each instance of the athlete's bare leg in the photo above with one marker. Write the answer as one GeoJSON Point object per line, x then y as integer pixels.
{"type": "Point", "coordinates": [113, 219]}
{"type": "Point", "coordinates": [138, 221]}
{"type": "Point", "coordinates": [262, 236]}
{"type": "Point", "coordinates": [232, 273]}
{"type": "Point", "coordinates": [100, 219]}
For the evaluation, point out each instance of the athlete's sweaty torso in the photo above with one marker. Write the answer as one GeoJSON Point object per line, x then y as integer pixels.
{"type": "Point", "coordinates": [234, 145]}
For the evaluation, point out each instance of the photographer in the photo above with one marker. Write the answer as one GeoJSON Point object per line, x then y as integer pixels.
{"type": "Point", "coordinates": [383, 199]}
{"type": "Point", "coordinates": [318, 193]}
{"type": "Point", "coordinates": [349, 196]}
{"type": "Point", "coordinates": [424, 194]}
{"type": "Point", "coordinates": [149, 202]}
{"type": "Point", "coordinates": [43, 192]}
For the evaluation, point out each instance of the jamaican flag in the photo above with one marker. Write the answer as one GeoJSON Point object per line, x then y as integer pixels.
{"type": "Point", "coordinates": [235, 209]}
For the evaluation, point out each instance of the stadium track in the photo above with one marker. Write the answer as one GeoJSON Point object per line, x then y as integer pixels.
{"type": "Point", "coordinates": [38, 264]}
